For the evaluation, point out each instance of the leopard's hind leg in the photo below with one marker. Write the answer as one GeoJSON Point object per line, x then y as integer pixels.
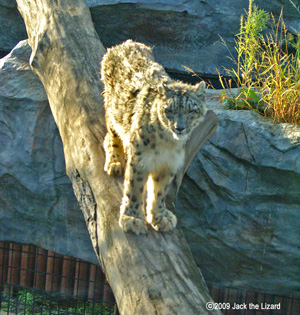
{"type": "Point", "coordinates": [114, 153]}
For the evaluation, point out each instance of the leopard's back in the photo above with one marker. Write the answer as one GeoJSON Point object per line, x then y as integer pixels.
{"type": "Point", "coordinates": [130, 76]}
{"type": "Point", "coordinates": [121, 65]}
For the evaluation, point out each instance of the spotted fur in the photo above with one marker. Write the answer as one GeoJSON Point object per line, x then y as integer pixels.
{"type": "Point", "coordinates": [149, 118]}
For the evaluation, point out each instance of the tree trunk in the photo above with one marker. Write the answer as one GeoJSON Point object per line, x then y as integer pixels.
{"type": "Point", "coordinates": [149, 274]}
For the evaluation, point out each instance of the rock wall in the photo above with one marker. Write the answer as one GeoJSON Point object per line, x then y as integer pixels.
{"type": "Point", "coordinates": [181, 32]}
{"type": "Point", "coordinates": [37, 204]}
{"type": "Point", "coordinates": [239, 204]}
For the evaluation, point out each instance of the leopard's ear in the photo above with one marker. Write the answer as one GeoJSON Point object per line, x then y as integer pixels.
{"type": "Point", "coordinates": [200, 88]}
{"type": "Point", "coordinates": [163, 89]}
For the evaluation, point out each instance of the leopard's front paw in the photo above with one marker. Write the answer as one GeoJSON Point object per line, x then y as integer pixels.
{"type": "Point", "coordinates": [132, 224]}
{"type": "Point", "coordinates": [164, 221]}
{"type": "Point", "coordinates": [114, 168]}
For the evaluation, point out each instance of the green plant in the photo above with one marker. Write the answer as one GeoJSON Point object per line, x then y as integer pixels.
{"type": "Point", "coordinates": [246, 99]}
{"type": "Point", "coordinates": [30, 302]}
{"type": "Point", "coordinates": [248, 44]}
{"type": "Point", "coordinates": [267, 75]}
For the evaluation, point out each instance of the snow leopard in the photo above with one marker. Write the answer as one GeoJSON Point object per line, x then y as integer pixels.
{"type": "Point", "coordinates": [149, 118]}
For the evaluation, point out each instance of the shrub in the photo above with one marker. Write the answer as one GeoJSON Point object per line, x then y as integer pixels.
{"type": "Point", "coordinates": [268, 76]}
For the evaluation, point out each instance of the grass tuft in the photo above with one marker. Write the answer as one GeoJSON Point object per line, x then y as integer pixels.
{"type": "Point", "coordinates": [268, 74]}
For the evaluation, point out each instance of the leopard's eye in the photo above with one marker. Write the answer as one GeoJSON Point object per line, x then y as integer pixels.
{"type": "Point", "coordinates": [192, 111]}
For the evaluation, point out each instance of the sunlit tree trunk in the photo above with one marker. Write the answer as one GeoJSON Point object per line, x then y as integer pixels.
{"type": "Point", "coordinates": [151, 274]}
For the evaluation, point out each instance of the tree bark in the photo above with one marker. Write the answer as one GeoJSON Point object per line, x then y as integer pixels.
{"type": "Point", "coordinates": [149, 274]}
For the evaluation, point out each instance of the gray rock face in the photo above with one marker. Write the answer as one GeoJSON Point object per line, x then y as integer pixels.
{"type": "Point", "coordinates": [240, 204]}
{"type": "Point", "coordinates": [37, 204]}
{"type": "Point", "coordinates": [12, 28]}
{"type": "Point", "coordinates": [181, 32]}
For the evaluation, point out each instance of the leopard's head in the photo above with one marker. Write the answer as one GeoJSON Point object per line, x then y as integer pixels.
{"type": "Point", "coordinates": [182, 107]}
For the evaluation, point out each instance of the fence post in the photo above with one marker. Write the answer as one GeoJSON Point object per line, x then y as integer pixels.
{"type": "Point", "coordinates": [68, 275]}
{"type": "Point", "coordinates": [81, 279]}
{"type": "Point", "coordinates": [14, 264]}
{"type": "Point", "coordinates": [4, 255]}
{"type": "Point", "coordinates": [54, 269]}
{"type": "Point", "coordinates": [97, 277]}
{"type": "Point", "coordinates": [40, 268]}
{"type": "Point", "coordinates": [27, 265]}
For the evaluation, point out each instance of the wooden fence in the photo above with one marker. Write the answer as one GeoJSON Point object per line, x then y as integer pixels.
{"type": "Point", "coordinates": [35, 267]}
{"type": "Point", "coordinates": [289, 304]}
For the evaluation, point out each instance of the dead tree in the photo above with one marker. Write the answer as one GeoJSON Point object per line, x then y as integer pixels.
{"type": "Point", "coordinates": [149, 274]}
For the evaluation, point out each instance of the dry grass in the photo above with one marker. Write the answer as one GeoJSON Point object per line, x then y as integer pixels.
{"type": "Point", "coordinates": [267, 74]}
